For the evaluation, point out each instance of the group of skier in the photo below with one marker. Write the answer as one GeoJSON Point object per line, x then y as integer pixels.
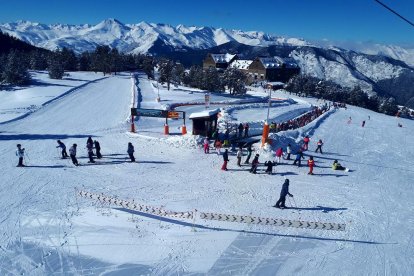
{"type": "Point", "coordinates": [279, 154]}
{"type": "Point", "coordinates": [91, 145]}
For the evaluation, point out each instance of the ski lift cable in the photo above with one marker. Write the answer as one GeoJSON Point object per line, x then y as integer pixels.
{"type": "Point", "coordinates": [394, 12]}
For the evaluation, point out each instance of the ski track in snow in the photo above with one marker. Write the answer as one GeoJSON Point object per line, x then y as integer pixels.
{"type": "Point", "coordinates": [48, 230]}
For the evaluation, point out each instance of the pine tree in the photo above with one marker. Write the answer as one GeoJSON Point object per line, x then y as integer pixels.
{"type": "Point", "coordinates": [235, 80]}
{"type": "Point", "coordinates": [15, 70]}
{"type": "Point", "coordinates": [147, 66]}
{"type": "Point", "coordinates": [101, 59]}
{"type": "Point", "coordinates": [55, 65]}
{"type": "Point", "coordinates": [389, 107]}
{"type": "Point", "coordinates": [178, 73]}
{"type": "Point", "coordinates": [115, 61]}
{"type": "Point", "coordinates": [85, 62]}
{"type": "Point", "coordinates": [37, 61]}
{"type": "Point", "coordinates": [211, 80]}
{"type": "Point", "coordinates": [194, 78]}
{"type": "Point", "coordinates": [69, 59]}
{"type": "Point", "coordinates": [165, 68]}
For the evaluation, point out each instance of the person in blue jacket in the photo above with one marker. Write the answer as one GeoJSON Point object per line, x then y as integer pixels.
{"type": "Point", "coordinates": [299, 157]}
{"type": "Point", "coordinates": [283, 193]}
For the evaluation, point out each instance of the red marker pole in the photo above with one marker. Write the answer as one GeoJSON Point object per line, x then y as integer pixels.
{"type": "Point", "coordinates": [132, 124]}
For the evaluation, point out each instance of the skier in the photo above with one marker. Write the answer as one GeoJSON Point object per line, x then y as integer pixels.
{"type": "Point", "coordinates": [319, 146]}
{"type": "Point", "coordinates": [283, 193]}
{"type": "Point", "coordinates": [369, 117]}
{"type": "Point", "coordinates": [240, 128]}
{"type": "Point", "coordinates": [305, 142]}
{"type": "Point", "coordinates": [98, 149]}
{"type": "Point", "coordinates": [279, 153]}
{"type": "Point", "coordinates": [255, 164]}
{"type": "Point", "coordinates": [246, 130]}
{"type": "Point", "coordinates": [249, 151]}
{"type": "Point", "coordinates": [363, 123]}
{"type": "Point", "coordinates": [269, 164]}
{"type": "Point", "coordinates": [239, 155]}
{"type": "Point", "coordinates": [131, 151]}
{"type": "Point", "coordinates": [299, 157]}
{"type": "Point", "coordinates": [89, 147]}
{"type": "Point", "coordinates": [225, 160]}
{"type": "Point", "coordinates": [89, 142]}
{"type": "Point", "coordinates": [311, 163]}
{"type": "Point", "coordinates": [20, 154]}
{"type": "Point", "coordinates": [206, 145]}
{"type": "Point", "coordinates": [217, 144]}
{"type": "Point", "coordinates": [337, 166]}
{"type": "Point", "coordinates": [349, 120]}
{"type": "Point", "coordinates": [288, 151]}
{"type": "Point", "coordinates": [72, 154]}
{"type": "Point", "coordinates": [63, 147]}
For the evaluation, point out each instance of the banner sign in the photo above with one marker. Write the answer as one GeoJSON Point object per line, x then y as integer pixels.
{"type": "Point", "coordinates": [149, 112]}
{"type": "Point", "coordinates": [176, 114]}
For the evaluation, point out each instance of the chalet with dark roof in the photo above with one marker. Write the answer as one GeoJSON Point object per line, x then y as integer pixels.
{"type": "Point", "coordinates": [218, 61]}
{"type": "Point", "coordinates": [272, 69]}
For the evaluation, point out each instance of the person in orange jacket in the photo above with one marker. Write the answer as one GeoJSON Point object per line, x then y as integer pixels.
{"type": "Point", "coordinates": [311, 163]}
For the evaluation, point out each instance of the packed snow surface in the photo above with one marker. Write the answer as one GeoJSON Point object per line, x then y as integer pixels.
{"type": "Point", "coordinates": [47, 229]}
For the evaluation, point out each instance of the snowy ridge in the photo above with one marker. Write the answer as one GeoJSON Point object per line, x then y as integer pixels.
{"type": "Point", "coordinates": [136, 38]}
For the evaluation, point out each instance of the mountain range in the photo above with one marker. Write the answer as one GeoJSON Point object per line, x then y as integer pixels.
{"type": "Point", "coordinates": [379, 69]}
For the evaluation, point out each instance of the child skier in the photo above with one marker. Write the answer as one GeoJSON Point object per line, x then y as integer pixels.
{"type": "Point", "coordinates": [299, 157]}
{"type": "Point", "coordinates": [319, 146]}
{"type": "Point", "coordinates": [269, 164]}
{"type": "Point", "coordinates": [89, 147]}
{"type": "Point", "coordinates": [239, 155]}
{"type": "Point", "coordinates": [225, 160]}
{"type": "Point", "coordinates": [279, 153]}
{"type": "Point", "coordinates": [206, 145]}
{"type": "Point", "coordinates": [131, 151]}
{"type": "Point", "coordinates": [217, 144]}
{"type": "Point", "coordinates": [283, 193]}
{"type": "Point", "coordinates": [72, 153]}
{"type": "Point", "coordinates": [337, 166]}
{"type": "Point", "coordinates": [63, 147]}
{"type": "Point", "coordinates": [98, 149]}
{"type": "Point", "coordinates": [20, 154]}
{"type": "Point", "coordinates": [246, 130]}
{"type": "Point", "coordinates": [288, 151]}
{"type": "Point", "coordinates": [249, 151]}
{"type": "Point", "coordinates": [311, 163]}
{"type": "Point", "coordinates": [305, 142]}
{"type": "Point", "coordinates": [255, 164]}
{"type": "Point", "coordinates": [363, 123]}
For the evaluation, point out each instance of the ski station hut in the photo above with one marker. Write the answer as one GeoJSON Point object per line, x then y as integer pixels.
{"type": "Point", "coordinates": [205, 122]}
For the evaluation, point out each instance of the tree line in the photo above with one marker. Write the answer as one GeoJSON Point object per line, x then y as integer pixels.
{"type": "Point", "coordinates": [209, 79]}
{"type": "Point", "coordinates": [304, 85]}
{"type": "Point", "coordinates": [14, 64]}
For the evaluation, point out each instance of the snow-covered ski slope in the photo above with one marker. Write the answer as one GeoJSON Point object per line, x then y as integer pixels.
{"type": "Point", "coordinates": [46, 229]}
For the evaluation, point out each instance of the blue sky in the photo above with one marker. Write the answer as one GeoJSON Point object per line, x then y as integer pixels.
{"type": "Point", "coordinates": [334, 20]}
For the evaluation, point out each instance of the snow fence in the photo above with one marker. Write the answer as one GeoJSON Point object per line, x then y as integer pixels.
{"type": "Point", "coordinates": [131, 205]}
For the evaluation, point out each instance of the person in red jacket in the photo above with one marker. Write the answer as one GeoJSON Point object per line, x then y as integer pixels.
{"type": "Point", "coordinates": [306, 142]}
{"type": "Point", "coordinates": [311, 163]}
{"type": "Point", "coordinates": [279, 153]}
